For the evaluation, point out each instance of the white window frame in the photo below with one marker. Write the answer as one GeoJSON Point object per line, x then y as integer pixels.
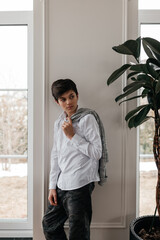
{"type": "Point", "coordinates": [20, 227]}
{"type": "Point", "coordinates": [145, 17]}
{"type": "Point", "coordinates": [149, 17]}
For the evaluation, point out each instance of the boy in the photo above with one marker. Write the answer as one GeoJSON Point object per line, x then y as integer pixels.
{"type": "Point", "coordinates": [77, 149]}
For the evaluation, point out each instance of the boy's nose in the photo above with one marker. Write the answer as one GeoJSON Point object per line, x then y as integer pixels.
{"type": "Point", "coordinates": [68, 101]}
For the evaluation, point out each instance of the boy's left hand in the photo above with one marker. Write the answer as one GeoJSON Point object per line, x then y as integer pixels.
{"type": "Point", "coordinates": [68, 128]}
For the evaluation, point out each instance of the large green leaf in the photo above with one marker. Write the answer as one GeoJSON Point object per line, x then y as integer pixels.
{"type": "Point", "coordinates": [138, 40]}
{"type": "Point", "coordinates": [131, 122]}
{"type": "Point", "coordinates": [153, 44]}
{"type": "Point", "coordinates": [158, 86]}
{"type": "Point", "coordinates": [134, 79]}
{"type": "Point", "coordinates": [146, 119]}
{"type": "Point", "coordinates": [141, 115]}
{"type": "Point", "coordinates": [140, 68]}
{"type": "Point", "coordinates": [145, 92]}
{"type": "Point", "coordinates": [151, 70]}
{"type": "Point", "coordinates": [146, 80]}
{"type": "Point", "coordinates": [157, 56]}
{"type": "Point", "coordinates": [128, 99]}
{"type": "Point", "coordinates": [144, 77]}
{"type": "Point", "coordinates": [130, 47]}
{"type": "Point", "coordinates": [131, 74]}
{"type": "Point", "coordinates": [147, 50]}
{"type": "Point", "coordinates": [133, 89]}
{"type": "Point", "coordinates": [117, 73]}
{"type": "Point", "coordinates": [133, 84]}
{"type": "Point", "coordinates": [154, 61]}
{"type": "Point", "coordinates": [134, 111]}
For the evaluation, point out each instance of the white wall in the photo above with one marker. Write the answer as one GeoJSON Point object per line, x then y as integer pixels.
{"type": "Point", "coordinates": [79, 36]}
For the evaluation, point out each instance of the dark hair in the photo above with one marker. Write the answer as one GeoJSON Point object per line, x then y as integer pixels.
{"type": "Point", "coordinates": [61, 86]}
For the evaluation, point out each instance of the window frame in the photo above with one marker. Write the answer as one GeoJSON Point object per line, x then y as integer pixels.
{"type": "Point", "coordinates": [154, 6]}
{"type": "Point", "coordinates": [148, 17]}
{"type": "Point", "coordinates": [145, 16]}
{"type": "Point", "coordinates": [9, 227]}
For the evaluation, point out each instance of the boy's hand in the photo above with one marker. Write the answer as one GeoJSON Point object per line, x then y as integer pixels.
{"type": "Point", "coordinates": [68, 128]}
{"type": "Point", "coordinates": [52, 197]}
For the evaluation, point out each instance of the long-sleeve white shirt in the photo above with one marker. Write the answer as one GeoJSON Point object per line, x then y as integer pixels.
{"type": "Point", "coordinates": [75, 162]}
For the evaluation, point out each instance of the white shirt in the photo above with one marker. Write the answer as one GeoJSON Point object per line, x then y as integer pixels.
{"type": "Point", "coordinates": [75, 162]}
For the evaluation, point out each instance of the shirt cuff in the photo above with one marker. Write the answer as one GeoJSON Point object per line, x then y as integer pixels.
{"type": "Point", "coordinates": [52, 186]}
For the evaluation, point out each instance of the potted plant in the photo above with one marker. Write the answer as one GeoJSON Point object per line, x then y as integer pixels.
{"type": "Point", "coordinates": [145, 78]}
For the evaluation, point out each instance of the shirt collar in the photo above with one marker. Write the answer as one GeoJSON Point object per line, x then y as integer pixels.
{"type": "Point", "coordinates": [63, 115]}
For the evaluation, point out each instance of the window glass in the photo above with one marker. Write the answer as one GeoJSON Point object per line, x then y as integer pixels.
{"type": "Point", "coordinates": [149, 4]}
{"type": "Point", "coordinates": [149, 30]}
{"type": "Point", "coordinates": [13, 197]}
{"type": "Point", "coordinates": [16, 5]}
{"type": "Point", "coordinates": [148, 170]}
{"type": "Point", "coordinates": [13, 122]}
{"type": "Point", "coordinates": [13, 57]}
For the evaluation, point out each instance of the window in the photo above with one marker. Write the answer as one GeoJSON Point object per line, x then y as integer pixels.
{"type": "Point", "coordinates": [149, 26]}
{"type": "Point", "coordinates": [149, 4]}
{"type": "Point", "coordinates": [13, 120]}
{"type": "Point", "coordinates": [16, 107]}
{"type": "Point", "coordinates": [16, 5]}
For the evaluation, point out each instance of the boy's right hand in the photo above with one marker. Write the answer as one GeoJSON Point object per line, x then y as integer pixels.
{"type": "Point", "coordinates": [52, 197]}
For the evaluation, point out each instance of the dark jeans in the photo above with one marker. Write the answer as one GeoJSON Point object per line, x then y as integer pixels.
{"type": "Point", "coordinates": [74, 205]}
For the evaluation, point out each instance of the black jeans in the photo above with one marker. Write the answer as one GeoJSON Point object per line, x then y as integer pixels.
{"type": "Point", "coordinates": [74, 205]}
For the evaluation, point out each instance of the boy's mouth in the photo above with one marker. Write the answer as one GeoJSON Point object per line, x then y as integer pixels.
{"type": "Point", "coordinates": [69, 107]}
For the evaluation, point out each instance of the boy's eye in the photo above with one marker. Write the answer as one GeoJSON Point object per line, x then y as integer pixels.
{"type": "Point", "coordinates": [62, 99]}
{"type": "Point", "coordinates": [72, 96]}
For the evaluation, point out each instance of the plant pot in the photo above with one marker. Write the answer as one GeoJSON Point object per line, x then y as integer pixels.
{"type": "Point", "coordinates": [142, 223]}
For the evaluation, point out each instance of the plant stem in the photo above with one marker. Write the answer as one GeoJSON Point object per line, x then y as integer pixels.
{"type": "Point", "coordinates": [153, 220]}
{"type": "Point", "coordinates": [156, 151]}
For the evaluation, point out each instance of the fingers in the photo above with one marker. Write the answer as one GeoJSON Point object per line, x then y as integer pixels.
{"type": "Point", "coordinates": [55, 199]}
{"type": "Point", "coordinates": [52, 197]}
{"type": "Point", "coordinates": [51, 200]}
{"type": "Point", "coordinates": [68, 128]}
{"type": "Point", "coordinates": [70, 121]}
{"type": "Point", "coordinates": [65, 124]}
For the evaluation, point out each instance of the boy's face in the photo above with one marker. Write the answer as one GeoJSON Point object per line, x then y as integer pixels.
{"type": "Point", "coordinates": [68, 102]}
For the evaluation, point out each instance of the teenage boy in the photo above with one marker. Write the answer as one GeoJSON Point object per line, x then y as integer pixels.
{"type": "Point", "coordinates": [78, 160]}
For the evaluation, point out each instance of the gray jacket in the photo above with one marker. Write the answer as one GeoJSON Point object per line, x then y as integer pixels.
{"type": "Point", "coordinates": [81, 112]}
